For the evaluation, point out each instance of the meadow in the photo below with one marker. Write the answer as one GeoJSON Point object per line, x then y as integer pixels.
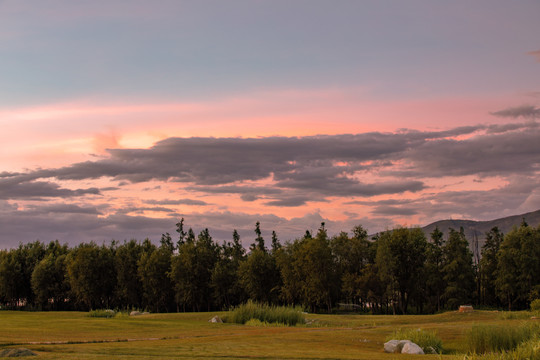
{"type": "Point", "coordinates": [69, 335]}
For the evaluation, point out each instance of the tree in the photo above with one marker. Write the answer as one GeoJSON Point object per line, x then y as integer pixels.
{"type": "Point", "coordinates": [49, 282]}
{"type": "Point", "coordinates": [192, 269]}
{"type": "Point", "coordinates": [314, 265]}
{"type": "Point", "coordinates": [518, 266]}
{"type": "Point", "coordinates": [181, 233]}
{"type": "Point", "coordinates": [259, 241]}
{"type": "Point", "coordinates": [129, 287]}
{"type": "Point", "coordinates": [488, 267]}
{"type": "Point", "coordinates": [458, 270]}
{"type": "Point", "coordinates": [435, 284]}
{"type": "Point", "coordinates": [400, 260]}
{"type": "Point", "coordinates": [153, 268]}
{"type": "Point", "coordinates": [11, 279]}
{"type": "Point", "coordinates": [91, 275]}
{"type": "Point", "coordinates": [256, 276]}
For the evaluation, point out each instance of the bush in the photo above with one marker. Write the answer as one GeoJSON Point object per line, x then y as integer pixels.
{"type": "Point", "coordinates": [265, 313]}
{"type": "Point", "coordinates": [484, 338]}
{"type": "Point", "coordinates": [535, 305]}
{"type": "Point", "coordinates": [102, 313]}
{"type": "Point", "coordinates": [427, 340]}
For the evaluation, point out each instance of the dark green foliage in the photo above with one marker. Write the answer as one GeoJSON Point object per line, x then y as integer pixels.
{"type": "Point", "coordinates": [258, 276]}
{"type": "Point", "coordinates": [129, 286]}
{"type": "Point", "coordinates": [91, 275]}
{"type": "Point", "coordinates": [488, 267]}
{"type": "Point", "coordinates": [396, 271]}
{"type": "Point", "coordinates": [518, 267]}
{"type": "Point", "coordinates": [435, 284]}
{"type": "Point", "coordinates": [225, 276]}
{"type": "Point", "coordinates": [308, 272]}
{"type": "Point", "coordinates": [153, 268]}
{"type": "Point", "coordinates": [458, 271]}
{"type": "Point", "coordinates": [400, 260]}
{"type": "Point", "coordinates": [191, 272]}
{"type": "Point", "coordinates": [49, 282]}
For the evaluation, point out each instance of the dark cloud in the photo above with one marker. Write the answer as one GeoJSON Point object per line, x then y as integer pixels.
{"type": "Point", "coordinates": [284, 172]}
{"type": "Point", "coordinates": [498, 154]}
{"type": "Point", "coordinates": [64, 208]}
{"type": "Point", "coordinates": [236, 189]}
{"type": "Point", "coordinates": [386, 210]}
{"type": "Point", "coordinates": [278, 169]}
{"type": "Point", "coordinates": [16, 187]}
{"type": "Point", "coordinates": [290, 201]}
{"type": "Point", "coordinates": [526, 111]}
{"type": "Point", "coordinates": [209, 161]}
{"type": "Point", "coordinates": [142, 209]}
{"type": "Point", "coordinates": [177, 202]}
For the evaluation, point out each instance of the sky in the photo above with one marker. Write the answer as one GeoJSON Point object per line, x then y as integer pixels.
{"type": "Point", "coordinates": [118, 118]}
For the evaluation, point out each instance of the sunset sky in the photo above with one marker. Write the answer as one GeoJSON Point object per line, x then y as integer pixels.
{"type": "Point", "coordinates": [117, 118]}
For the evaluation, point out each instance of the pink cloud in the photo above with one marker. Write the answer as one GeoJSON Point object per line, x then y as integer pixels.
{"type": "Point", "coordinates": [535, 54]}
{"type": "Point", "coordinates": [75, 129]}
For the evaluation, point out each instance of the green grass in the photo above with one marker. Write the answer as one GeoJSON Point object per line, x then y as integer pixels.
{"type": "Point", "coordinates": [102, 313]}
{"type": "Point", "coordinates": [498, 338]}
{"type": "Point", "coordinates": [266, 314]}
{"type": "Point", "coordinates": [427, 340]}
{"type": "Point", "coordinates": [70, 335]}
{"type": "Point", "coordinates": [529, 350]}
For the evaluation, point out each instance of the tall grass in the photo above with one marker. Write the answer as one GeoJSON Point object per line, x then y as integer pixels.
{"type": "Point", "coordinates": [102, 313]}
{"type": "Point", "coordinates": [265, 313]}
{"type": "Point", "coordinates": [427, 340]}
{"type": "Point", "coordinates": [529, 350]}
{"type": "Point", "coordinates": [491, 339]}
{"type": "Point", "coordinates": [515, 315]}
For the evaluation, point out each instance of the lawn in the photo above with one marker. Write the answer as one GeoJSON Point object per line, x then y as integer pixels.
{"type": "Point", "coordinates": [69, 335]}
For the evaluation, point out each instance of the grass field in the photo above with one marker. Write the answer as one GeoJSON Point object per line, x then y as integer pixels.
{"type": "Point", "coordinates": [70, 335]}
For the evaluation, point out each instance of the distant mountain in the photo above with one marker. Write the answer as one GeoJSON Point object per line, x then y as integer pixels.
{"type": "Point", "coordinates": [477, 229]}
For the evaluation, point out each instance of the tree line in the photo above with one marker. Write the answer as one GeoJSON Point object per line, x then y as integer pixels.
{"type": "Point", "coordinates": [398, 271]}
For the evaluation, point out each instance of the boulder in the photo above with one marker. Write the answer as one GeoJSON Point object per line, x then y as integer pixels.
{"type": "Point", "coordinates": [17, 352]}
{"type": "Point", "coordinates": [402, 347]}
{"type": "Point", "coordinates": [390, 346]}
{"type": "Point", "coordinates": [215, 319]}
{"type": "Point", "coordinates": [465, 309]}
{"type": "Point", "coordinates": [412, 348]}
{"type": "Point", "coordinates": [135, 313]}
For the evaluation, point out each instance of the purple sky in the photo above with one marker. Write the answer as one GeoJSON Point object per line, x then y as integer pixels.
{"type": "Point", "coordinates": [119, 117]}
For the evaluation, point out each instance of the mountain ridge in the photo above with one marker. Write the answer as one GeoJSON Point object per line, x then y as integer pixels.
{"type": "Point", "coordinates": [475, 231]}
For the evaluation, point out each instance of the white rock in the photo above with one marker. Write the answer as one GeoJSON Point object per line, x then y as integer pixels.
{"type": "Point", "coordinates": [391, 346]}
{"type": "Point", "coordinates": [216, 319]}
{"type": "Point", "coordinates": [412, 348]}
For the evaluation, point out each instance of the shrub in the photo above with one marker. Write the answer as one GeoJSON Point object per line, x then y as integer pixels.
{"type": "Point", "coordinates": [484, 338]}
{"type": "Point", "coordinates": [427, 340]}
{"type": "Point", "coordinates": [102, 313]}
{"type": "Point", "coordinates": [265, 313]}
{"type": "Point", "coordinates": [535, 305]}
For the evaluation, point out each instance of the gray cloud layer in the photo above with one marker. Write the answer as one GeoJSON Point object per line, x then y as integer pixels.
{"type": "Point", "coordinates": [324, 165]}
{"type": "Point", "coordinates": [285, 172]}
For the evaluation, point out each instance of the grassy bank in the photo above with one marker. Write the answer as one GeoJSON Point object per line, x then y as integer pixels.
{"type": "Point", "coordinates": [68, 335]}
